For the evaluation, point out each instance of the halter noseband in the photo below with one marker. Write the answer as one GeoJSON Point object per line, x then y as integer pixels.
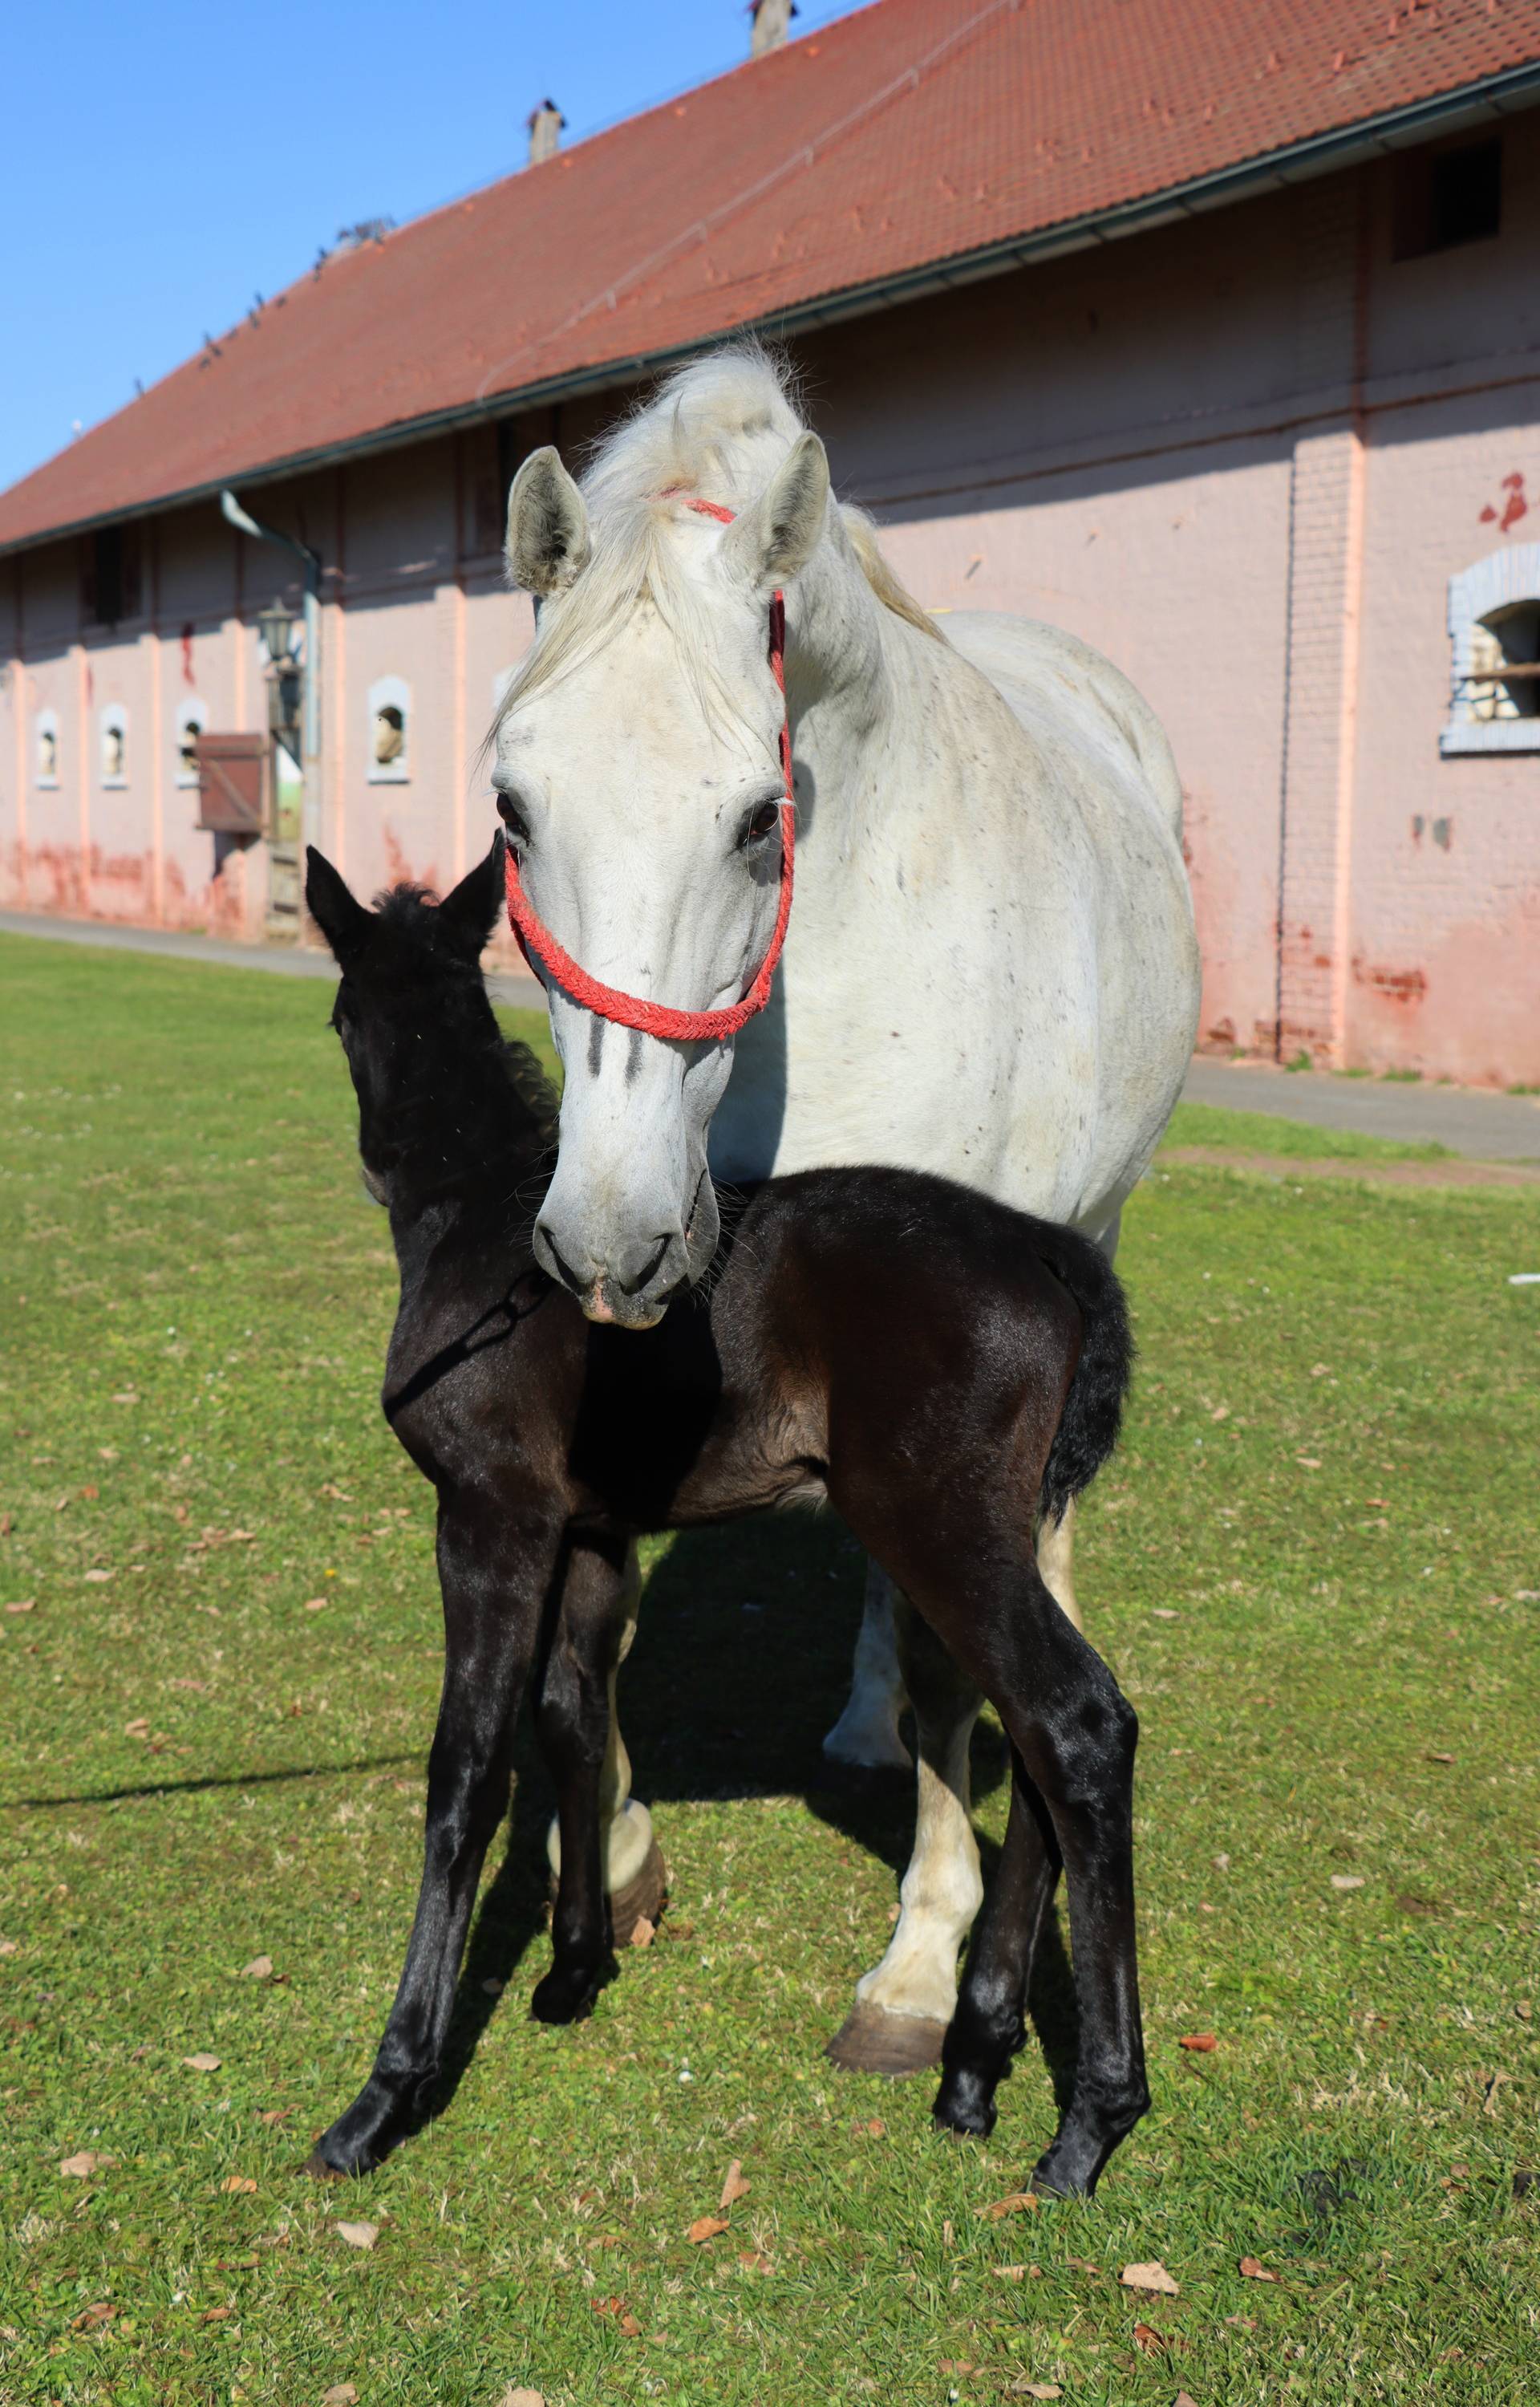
{"type": "Point", "coordinates": [537, 943]}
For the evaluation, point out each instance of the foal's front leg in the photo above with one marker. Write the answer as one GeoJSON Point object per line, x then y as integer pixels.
{"type": "Point", "coordinates": [495, 1581]}
{"type": "Point", "coordinates": [635, 1877]}
{"type": "Point", "coordinates": [574, 1721]}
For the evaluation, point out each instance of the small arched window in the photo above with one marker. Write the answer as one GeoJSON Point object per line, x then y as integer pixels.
{"type": "Point", "coordinates": [390, 753]}
{"type": "Point", "coordinates": [191, 720]}
{"type": "Point", "coordinates": [45, 747]}
{"type": "Point", "coordinates": [114, 745]}
{"type": "Point", "coordinates": [1494, 635]}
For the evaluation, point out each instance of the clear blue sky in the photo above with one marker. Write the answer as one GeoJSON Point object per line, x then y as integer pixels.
{"type": "Point", "coordinates": [162, 164]}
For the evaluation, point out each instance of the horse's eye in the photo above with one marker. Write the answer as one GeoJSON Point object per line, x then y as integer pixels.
{"type": "Point", "coordinates": [513, 819]}
{"type": "Point", "coordinates": [764, 819]}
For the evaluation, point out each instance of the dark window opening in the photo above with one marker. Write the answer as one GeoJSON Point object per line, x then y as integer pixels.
{"type": "Point", "coordinates": [1445, 198]}
{"type": "Point", "coordinates": [110, 577]}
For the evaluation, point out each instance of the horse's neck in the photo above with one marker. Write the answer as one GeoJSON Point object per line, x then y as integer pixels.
{"type": "Point", "coordinates": [871, 696]}
{"type": "Point", "coordinates": [467, 1146]}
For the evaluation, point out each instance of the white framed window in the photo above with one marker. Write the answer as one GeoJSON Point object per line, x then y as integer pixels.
{"type": "Point", "coordinates": [45, 749]}
{"type": "Point", "coordinates": [390, 753]}
{"type": "Point", "coordinates": [114, 746]}
{"type": "Point", "coordinates": [191, 720]}
{"type": "Point", "coordinates": [1494, 639]}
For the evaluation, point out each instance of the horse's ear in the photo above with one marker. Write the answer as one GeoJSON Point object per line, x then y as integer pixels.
{"type": "Point", "coordinates": [548, 543]}
{"type": "Point", "coordinates": [472, 911]}
{"type": "Point", "coordinates": [768, 542]}
{"type": "Point", "coordinates": [340, 916]}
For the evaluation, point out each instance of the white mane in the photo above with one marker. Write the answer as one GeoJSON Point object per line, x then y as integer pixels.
{"type": "Point", "coordinates": [716, 429]}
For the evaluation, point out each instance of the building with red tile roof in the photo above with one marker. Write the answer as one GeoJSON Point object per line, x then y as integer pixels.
{"type": "Point", "coordinates": [1134, 313]}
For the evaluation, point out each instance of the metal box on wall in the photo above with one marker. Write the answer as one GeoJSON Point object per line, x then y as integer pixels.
{"type": "Point", "coordinates": [232, 782]}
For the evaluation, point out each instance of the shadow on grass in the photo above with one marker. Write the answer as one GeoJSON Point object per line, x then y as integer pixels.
{"type": "Point", "coordinates": [215, 1780]}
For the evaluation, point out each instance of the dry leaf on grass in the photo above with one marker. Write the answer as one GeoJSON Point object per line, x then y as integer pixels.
{"type": "Point", "coordinates": [642, 1931]}
{"type": "Point", "coordinates": [88, 2319]}
{"type": "Point", "coordinates": [215, 2316]}
{"type": "Point", "coordinates": [1020, 2201]}
{"type": "Point", "coordinates": [1165, 1613]}
{"type": "Point", "coordinates": [1149, 2339]}
{"type": "Point", "coordinates": [270, 2114]}
{"type": "Point", "coordinates": [82, 2167]}
{"type": "Point", "coordinates": [359, 2235]}
{"type": "Point", "coordinates": [1435, 1755]}
{"type": "Point", "coordinates": [753, 2260]}
{"type": "Point", "coordinates": [1347, 1880]}
{"type": "Point", "coordinates": [733, 2186]}
{"type": "Point", "coordinates": [238, 2184]}
{"type": "Point", "coordinates": [23, 1604]}
{"type": "Point", "coordinates": [260, 1968]}
{"type": "Point", "coordinates": [138, 1728]}
{"type": "Point", "coordinates": [517, 2396]}
{"type": "Point", "coordinates": [1152, 2277]}
{"type": "Point", "coordinates": [1017, 2272]}
{"type": "Point", "coordinates": [1199, 2043]}
{"type": "Point", "coordinates": [1255, 2271]}
{"type": "Point", "coordinates": [705, 2226]}
{"type": "Point", "coordinates": [1035, 2391]}
{"type": "Point", "coordinates": [96, 1575]}
{"type": "Point", "coordinates": [341, 2394]}
{"type": "Point", "coordinates": [13, 1948]}
{"type": "Point", "coordinates": [202, 2062]}
{"type": "Point", "coordinates": [1184, 2399]}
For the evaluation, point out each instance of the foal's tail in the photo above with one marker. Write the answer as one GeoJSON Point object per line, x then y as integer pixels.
{"type": "Point", "coordinates": [1088, 1426]}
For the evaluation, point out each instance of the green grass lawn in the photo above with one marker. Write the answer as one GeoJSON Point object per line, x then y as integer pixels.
{"type": "Point", "coordinates": [1314, 1567]}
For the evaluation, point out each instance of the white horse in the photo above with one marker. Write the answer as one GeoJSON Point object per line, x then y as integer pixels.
{"type": "Point", "coordinates": [991, 971]}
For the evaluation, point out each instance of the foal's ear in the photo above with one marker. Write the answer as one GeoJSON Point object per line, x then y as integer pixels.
{"type": "Point", "coordinates": [768, 542]}
{"type": "Point", "coordinates": [340, 916]}
{"type": "Point", "coordinates": [547, 544]}
{"type": "Point", "coordinates": [472, 911]}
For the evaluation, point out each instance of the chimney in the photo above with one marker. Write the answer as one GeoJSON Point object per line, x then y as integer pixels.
{"type": "Point", "coordinates": [771, 25]}
{"type": "Point", "coordinates": [545, 124]}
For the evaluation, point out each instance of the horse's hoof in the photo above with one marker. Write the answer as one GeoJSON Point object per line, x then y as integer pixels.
{"type": "Point", "coordinates": [641, 1900]}
{"type": "Point", "coordinates": [570, 1996]}
{"type": "Point", "coordinates": [871, 2040]}
{"type": "Point", "coordinates": [866, 1748]}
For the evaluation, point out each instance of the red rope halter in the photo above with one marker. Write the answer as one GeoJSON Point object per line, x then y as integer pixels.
{"type": "Point", "coordinates": [537, 943]}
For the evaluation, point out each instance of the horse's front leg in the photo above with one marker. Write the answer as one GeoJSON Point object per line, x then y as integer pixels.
{"type": "Point", "coordinates": [496, 1577]}
{"type": "Point", "coordinates": [867, 1732]}
{"type": "Point", "coordinates": [903, 2006]}
{"type": "Point", "coordinates": [633, 1873]}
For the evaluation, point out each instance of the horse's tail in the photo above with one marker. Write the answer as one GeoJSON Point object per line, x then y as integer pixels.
{"type": "Point", "coordinates": [1093, 1410]}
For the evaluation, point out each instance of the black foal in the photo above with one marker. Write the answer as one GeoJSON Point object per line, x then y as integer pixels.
{"type": "Point", "coordinates": [938, 1367]}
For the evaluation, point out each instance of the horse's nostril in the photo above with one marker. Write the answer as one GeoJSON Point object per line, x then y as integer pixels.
{"type": "Point", "coordinates": [654, 1262]}
{"type": "Point", "coordinates": [563, 1269]}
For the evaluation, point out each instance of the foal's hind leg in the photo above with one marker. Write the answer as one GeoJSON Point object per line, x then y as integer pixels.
{"type": "Point", "coordinates": [1075, 1734]}
{"type": "Point", "coordinates": [904, 2006]}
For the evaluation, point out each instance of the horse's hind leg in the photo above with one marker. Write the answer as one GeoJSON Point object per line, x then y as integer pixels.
{"type": "Point", "coordinates": [867, 1732]}
{"type": "Point", "coordinates": [635, 1877]}
{"type": "Point", "coordinates": [990, 2023]}
{"type": "Point", "coordinates": [905, 2003]}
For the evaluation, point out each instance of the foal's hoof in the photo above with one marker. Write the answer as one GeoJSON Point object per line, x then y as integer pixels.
{"type": "Point", "coordinates": [568, 1992]}
{"type": "Point", "coordinates": [871, 2040]}
{"type": "Point", "coordinates": [319, 2170]}
{"type": "Point", "coordinates": [641, 1900]}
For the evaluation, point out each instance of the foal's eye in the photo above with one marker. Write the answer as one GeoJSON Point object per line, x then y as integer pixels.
{"type": "Point", "coordinates": [762, 822]}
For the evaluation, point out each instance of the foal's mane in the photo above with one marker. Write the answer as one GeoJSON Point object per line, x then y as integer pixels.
{"type": "Point", "coordinates": [718, 428]}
